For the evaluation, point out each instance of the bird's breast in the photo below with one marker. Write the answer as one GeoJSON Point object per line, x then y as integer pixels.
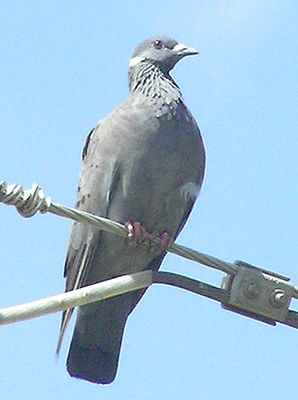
{"type": "Point", "coordinates": [159, 165]}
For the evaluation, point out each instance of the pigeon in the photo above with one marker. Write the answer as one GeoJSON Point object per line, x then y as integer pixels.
{"type": "Point", "coordinates": [143, 166]}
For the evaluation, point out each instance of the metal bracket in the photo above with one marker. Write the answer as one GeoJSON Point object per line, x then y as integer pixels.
{"type": "Point", "coordinates": [258, 293]}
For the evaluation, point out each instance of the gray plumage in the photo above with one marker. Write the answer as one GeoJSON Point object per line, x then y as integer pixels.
{"type": "Point", "coordinates": [144, 162]}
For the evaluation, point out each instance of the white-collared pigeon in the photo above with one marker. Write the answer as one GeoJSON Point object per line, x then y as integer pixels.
{"type": "Point", "coordinates": [143, 163]}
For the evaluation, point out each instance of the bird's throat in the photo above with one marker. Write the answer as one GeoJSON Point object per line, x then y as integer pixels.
{"type": "Point", "coordinates": [157, 87]}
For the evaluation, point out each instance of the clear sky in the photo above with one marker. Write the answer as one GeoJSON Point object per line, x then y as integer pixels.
{"type": "Point", "coordinates": [63, 67]}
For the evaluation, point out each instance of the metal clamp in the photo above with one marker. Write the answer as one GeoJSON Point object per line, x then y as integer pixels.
{"type": "Point", "coordinates": [258, 293]}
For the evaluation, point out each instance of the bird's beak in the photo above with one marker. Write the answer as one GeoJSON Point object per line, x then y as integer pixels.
{"type": "Point", "coordinates": [182, 50]}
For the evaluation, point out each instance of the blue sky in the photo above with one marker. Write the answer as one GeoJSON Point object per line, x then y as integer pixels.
{"type": "Point", "coordinates": [63, 67]}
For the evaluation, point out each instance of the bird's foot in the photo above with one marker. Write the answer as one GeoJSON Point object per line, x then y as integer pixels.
{"type": "Point", "coordinates": [137, 234]}
{"type": "Point", "coordinates": [164, 242]}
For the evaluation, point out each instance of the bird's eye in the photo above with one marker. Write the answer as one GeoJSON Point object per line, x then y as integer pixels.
{"type": "Point", "coordinates": [157, 44]}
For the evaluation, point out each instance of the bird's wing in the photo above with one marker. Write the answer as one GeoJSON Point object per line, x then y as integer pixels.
{"type": "Point", "coordinates": [94, 191]}
{"type": "Point", "coordinates": [154, 265]}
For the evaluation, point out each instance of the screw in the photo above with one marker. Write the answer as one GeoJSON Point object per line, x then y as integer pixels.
{"type": "Point", "coordinates": [278, 298]}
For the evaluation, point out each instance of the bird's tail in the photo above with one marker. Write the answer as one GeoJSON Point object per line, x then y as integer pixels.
{"type": "Point", "coordinates": [92, 364]}
{"type": "Point", "coordinates": [95, 346]}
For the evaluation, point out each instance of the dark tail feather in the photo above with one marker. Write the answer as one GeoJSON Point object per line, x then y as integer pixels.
{"type": "Point", "coordinates": [93, 365]}
{"type": "Point", "coordinates": [95, 346]}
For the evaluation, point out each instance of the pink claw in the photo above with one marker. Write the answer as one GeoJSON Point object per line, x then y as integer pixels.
{"type": "Point", "coordinates": [135, 231]}
{"type": "Point", "coordinates": [165, 241]}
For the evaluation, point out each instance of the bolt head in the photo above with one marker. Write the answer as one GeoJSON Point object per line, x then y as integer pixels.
{"type": "Point", "coordinates": [252, 290]}
{"type": "Point", "coordinates": [278, 298]}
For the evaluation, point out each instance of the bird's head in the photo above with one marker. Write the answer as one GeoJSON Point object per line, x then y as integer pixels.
{"type": "Point", "coordinates": [161, 51]}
